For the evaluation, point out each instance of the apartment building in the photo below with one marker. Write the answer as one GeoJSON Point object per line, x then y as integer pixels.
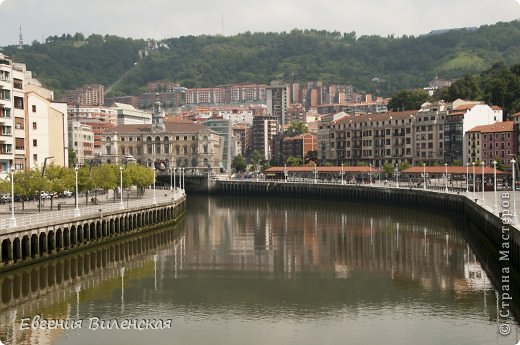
{"type": "Point", "coordinates": [429, 133]}
{"type": "Point", "coordinates": [265, 127]}
{"type": "Point", "coordinates": [327, 136]}
{"type": "Point", "coordinates": [495, 142]}
{"type": "Point", "coordinates": [81, 140]}
{"type": "Point", "coordinates": [433, 134]}
{"type": "Point", "coordinates": [12, 116]}
{"type": "Point", "coordinates": [45, 129]}
{"type": "Point", "coordinates": [243, 134]}
{"type": "Point", "coordinates": [283, 147]}
{"type": "Point", "coordinates": [459, 121]}
{"type": "Point", "coordinates": [128, 115]}
{"type": "Point", "coordinates": [88, 95]}
{"type": "Point", "coordinates": [99, 118]}
{"type": "Point", "coordinates": [32, 125]}
{"type": "Point", "coordinates": [278, 102]}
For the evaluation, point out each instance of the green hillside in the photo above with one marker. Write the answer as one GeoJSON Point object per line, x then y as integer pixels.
{"type": "Point", "coordinates": [398, 62]}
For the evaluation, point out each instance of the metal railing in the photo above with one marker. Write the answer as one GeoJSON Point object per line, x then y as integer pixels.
{"type": "Point", "coordinates": [89, 211]}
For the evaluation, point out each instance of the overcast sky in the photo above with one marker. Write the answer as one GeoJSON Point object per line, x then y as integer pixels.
{"type": "Point", "coordinates": [172, 18]}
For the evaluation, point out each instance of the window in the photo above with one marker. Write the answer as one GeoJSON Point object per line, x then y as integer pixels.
{"type": "Point", "coordinates": [20, 144]}
{"type": "Point", "coordinates": [18, 123]}
{"type": "Point", "coordinates": [35, 158]}
{"type": "Point", "coordinates": [33, 108]}
{"type": "Point", "coordinates": [18, 102]}
{"type": "Point", "coordinates": [35, 126]}
{"type": "Point", "coordinates": [35, 142]}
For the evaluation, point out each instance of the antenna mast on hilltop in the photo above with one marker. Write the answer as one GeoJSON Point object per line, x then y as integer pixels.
{"type": "Point", "coordinates": [20, 41]}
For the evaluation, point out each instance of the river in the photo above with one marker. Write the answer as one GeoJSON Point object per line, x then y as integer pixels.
{"type": "Point", "coordinates": [252, 271]}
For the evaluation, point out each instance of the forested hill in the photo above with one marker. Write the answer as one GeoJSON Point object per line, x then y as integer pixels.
{"type": "Point", "coordinates": [367, 62]}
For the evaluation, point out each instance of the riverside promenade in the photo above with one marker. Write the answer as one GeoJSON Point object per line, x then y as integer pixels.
{"type": "Point", "coordinates": [64, 207]}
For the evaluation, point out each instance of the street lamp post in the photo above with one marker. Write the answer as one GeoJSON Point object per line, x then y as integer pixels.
{"type": "Point", "coordinates": [121, 187]}
{"type": "Point", "coordinates": [315, 174]}
{"type": "Point", "coordinates": [467, 178]}
{"type": "Point", "coordinates": [495, 184]}
{"type": "Point", "coordinates": [342, 173]}
{"type": "Point", "coordinates": [12, 220]}
{"type": "Point", "coordinates": [370, 172]}
{"type": "Point", "coordinates": [397, 175]}
{"type": "Point", "coordinates": [474, 193]}
{"type": "Point", "coordinates": [424, 175]}
{"type": "Point", "coordinates": [446, 176]}
{"type": "Point", "coordinates": [76, 209]}
{"type": "Point", "coordinates": [154, 199]}
{"type": "Point", "coordinates": [483, 199]}
{"type": "Point", "coordinates": [171, 179]}
{"type": "Point", "coordinates": [174, 182]}
{"type": "Point", "coordinates": [285, 172]}
{"type": "Point", "coordinates": [514, 190]}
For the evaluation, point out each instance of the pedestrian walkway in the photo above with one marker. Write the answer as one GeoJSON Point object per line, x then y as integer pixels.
{"type": "Point", "coordinates": [105, 203]}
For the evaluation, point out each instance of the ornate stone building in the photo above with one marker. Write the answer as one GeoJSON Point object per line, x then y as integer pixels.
{"type": "Point", "coordinates": [165, 143]}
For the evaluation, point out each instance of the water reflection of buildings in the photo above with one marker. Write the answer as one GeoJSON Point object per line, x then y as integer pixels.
{"type": "Point", "coordinates": [55, 288]}
{"type": "Point", "coordinates": [285, 238]}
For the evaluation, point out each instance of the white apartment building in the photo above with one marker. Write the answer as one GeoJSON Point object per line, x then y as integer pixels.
{"type": "Point", "coordinates": [128, 115]}
{"type": "Point", "coordinates": [32, 125]}
{"type": "Point", "coordinates": [81, 140]}
{"type": "Point", "coordinates": [7, 124]}
{"type": "Point", "coordinates": [46, 129]}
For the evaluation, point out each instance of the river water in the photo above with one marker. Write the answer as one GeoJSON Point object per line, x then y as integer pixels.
{"type": "Point", "coordinates": [267, 271]}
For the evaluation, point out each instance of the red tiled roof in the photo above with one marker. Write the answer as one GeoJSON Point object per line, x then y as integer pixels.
{"type": "Point", "coordinates": [456, 170]}
{"type": "Point", "coordinates": [496, 107]}
{"type": "Point", "coordinates": [506, 126]}
{"type": "Point", "coordinates": [465, 107]}
{"type": "Point", "coordinates": [181, 126]}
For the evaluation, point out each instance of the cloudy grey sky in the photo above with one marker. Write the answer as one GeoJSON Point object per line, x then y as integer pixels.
{"type": "Point", "coordinates": [172, 18]}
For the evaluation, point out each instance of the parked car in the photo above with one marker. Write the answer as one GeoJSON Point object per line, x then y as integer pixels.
{"type": "Point", "coordinates": [67, 194]}
{"type": "Point", "coordinates": [45, 195]}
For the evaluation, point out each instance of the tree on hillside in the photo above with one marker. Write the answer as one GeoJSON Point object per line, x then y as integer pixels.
{"type": "Point", "coordinates": [408, 100]}
{"type": "Point", "coordinates": [467, 88]}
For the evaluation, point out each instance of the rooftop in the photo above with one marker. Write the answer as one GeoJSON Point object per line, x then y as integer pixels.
{"type": "Point", "coordinates": [506, 126]}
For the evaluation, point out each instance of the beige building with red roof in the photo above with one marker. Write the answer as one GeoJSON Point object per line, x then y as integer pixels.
{"type": "Point", "coordinates": [433, 134]}
{"type": "Point", "coordinates": [166, 143]}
